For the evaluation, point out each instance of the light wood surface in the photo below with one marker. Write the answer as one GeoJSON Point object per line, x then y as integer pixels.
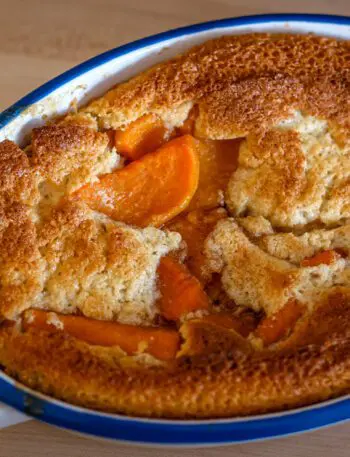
{"type": "Point", "coordinates": [40, 39]}
{"type": "Point", "coordinates": [39, 440]}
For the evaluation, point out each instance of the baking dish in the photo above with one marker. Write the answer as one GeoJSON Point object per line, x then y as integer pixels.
{"type": "Point", "coordinates": [81, 84]}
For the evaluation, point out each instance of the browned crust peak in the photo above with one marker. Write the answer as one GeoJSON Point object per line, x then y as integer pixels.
{"type": "Point", "coordinates": [59, 149]}
{"type": "Point", "coordinates": [242, 83]}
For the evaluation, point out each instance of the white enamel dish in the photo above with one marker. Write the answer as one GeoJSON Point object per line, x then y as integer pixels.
{"type": "Point", "coordinates": [82, 83]}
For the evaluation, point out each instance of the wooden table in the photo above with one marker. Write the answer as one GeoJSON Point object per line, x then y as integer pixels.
{"type": "Point", "coordinates": [39, 40]}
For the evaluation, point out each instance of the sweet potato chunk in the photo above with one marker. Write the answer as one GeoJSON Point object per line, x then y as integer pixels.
{"type": "Point", "coordinates": [149, 191]}
{"type": "Point", "coordinates": [162, 343]}
{"type": "Point", "coordinates": [273, 328]}
{"type": "Point", "coordinates": [181, 293]}
{"type": "Point", "coordinates": [194, 228]}
{"type": "Point", "coordinates": [144, 135]}
{"type": "Point", "coordinates": [218, 160]}
{"type": "Point", "coordinates": [324, 257]}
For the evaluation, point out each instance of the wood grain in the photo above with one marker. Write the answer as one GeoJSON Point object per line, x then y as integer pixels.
{"type": "Point", "coordinates": [39, 40]}
{"type": "Point", "coordinates": [44, 38]}
{"type": "Point", "coordinates": [39, 440]}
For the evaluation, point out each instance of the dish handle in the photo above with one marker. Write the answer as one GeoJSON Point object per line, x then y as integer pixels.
{"type": "Point", "coordinates": [9, 416]}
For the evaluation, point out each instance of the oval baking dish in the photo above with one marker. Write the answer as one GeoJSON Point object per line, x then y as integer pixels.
{"type": "Point", "coordinates": [83, 83]}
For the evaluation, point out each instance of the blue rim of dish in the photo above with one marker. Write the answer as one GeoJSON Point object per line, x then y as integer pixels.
{"type": "Point", "coordinates": [154, 431]}
{"type": "Point", "coordinates": [163, 432]}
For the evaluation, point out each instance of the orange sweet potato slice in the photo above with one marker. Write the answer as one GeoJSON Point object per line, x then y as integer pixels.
{"type": "Point", "coordinates": [273, 328]}
{"type": "Point", "coordinates": [218, 160]}
{"type": "Point", "coordinates": [181, 293]}
{"type": "Point", "coordinates": [148, 191]}
{"type": "Point", "coordinates": [194, 228]}
{"type": "Point", "coordinates": [144, 135]}
{"type": "Point", "coordinates": [324, 257]}
{"type": "Point", "coordinates": [162, 343]}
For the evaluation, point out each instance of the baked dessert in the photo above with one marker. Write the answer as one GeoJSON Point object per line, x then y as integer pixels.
{"type": "Point", "coordinates": [180, 246]}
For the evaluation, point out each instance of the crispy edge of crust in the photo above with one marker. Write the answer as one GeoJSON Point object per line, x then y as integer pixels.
{"type": "Point", "coordinates": [242, 83]}
{"type": "Point", "coordinates": [311, 366]}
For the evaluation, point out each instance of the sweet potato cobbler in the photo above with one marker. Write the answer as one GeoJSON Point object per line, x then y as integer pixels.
{"type": "Point", "coordinates": [180, 246]}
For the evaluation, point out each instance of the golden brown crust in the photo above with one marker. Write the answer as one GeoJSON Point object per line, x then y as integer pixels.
{"type": "Point", "coordinates": [18, 180]}
{"type": "Point", "coordinates": [60, 150]}
{"type": "Point", "coordinates": [250, 105]}
{"type": "Point", "coordinates": [78, 260]}
{"type": "Point", "coordinates": [21, 267]}
{"type": "Point", "coordinates": [101, 268]}
{"type": "Point", "coordinates": [267, 280]}
{"type": "Point", "coordinates": [293, 174]}
{"type": "Point", "coordinates": [295, 248]}
{"type": "Point", "coordinates": [242, 83]}
{"type": "Point", "coordinates": [230, 380]}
